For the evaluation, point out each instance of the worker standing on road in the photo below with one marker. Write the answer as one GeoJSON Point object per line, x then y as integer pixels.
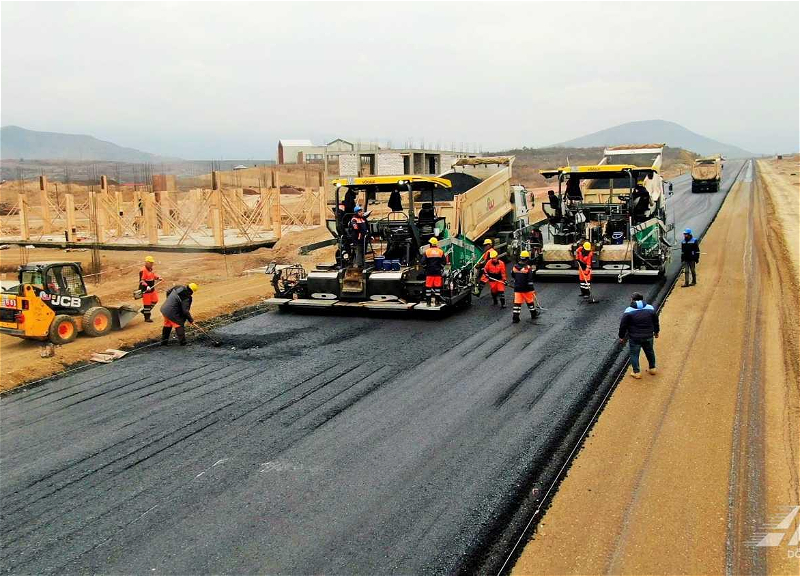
{"type": "Point", "coordinates": [433, 261]}
{"type": "Point", "coordinates": [494, 272]}
{"type": "Point", "coordinates": [583, 256]}
{"type": "Point", "coordinates": [358, 234]}
{"type": "Point", "coordinates": [488, 246]}
{"type": "Point", "coordinates": [690, 256]}
{"type": "Point", "coordinates": [147, 284]}
{"type": "Point", "coordinates": [176, 311]}
{"type": "Point", "coordinates": [522, 272]}
{"type": "Point", "coordinates": [639, 325]}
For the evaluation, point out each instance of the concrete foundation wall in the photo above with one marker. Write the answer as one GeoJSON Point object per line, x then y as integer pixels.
{"type": "Point", "coordinates": [348, 164]}
{"type": "Point", "coordinates": [389, 164]}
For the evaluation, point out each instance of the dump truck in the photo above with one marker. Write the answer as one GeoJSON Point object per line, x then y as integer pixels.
{"type": "Point", "coordinates": [621, 208]}
{"type": "Point", "coordinates": [51, 302]}
{"type": "Point", "coordinates": [706, 174]}
{"type": "Point", "coordinates": [472, 201]}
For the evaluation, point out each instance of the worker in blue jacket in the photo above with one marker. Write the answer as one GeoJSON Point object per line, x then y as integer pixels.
{"type": "Point", "coordinates": [690, 256]}
{"type": "Point", "coordinates": [639, 325]}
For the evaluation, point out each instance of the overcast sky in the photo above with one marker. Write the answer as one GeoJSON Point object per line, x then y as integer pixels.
{"type": "Point", "coordinates": [227, 80]}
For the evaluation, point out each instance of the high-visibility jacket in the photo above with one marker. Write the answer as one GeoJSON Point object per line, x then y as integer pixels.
{"type": "Point", "coordinates": [494, 272]}
{"type": "Point", "coordinates": [358, 228]}
{"type": "Point", "coordinates": [584, 258]}
{"type": "Point", "coordinates": [433, 260]}
{"type": "Point", "coordinates": [523, 277]}
{"type": "Point", "coordinates": [147, 280]}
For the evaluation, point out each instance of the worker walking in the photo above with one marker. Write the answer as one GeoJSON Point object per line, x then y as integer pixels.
{"type": "Point", "coordinates": [690, 256]}
{"type": "Point", "coordinates": [488, 246]}
{"type": "Point", "coordinates": [433, 261]}
{"type": "Point", "coordinates": [583, 256]}
{"type": "Point", "coordinates": [176, 311]}
{"type": "Point", "coordinates": [522, 272]}
{"type": "Point", "coordinates": [494, 272]}
{"type": "Point", "coordinates": [147, 284]}
{"type": "Point", "coordinates": [358, 234]}
{"type": "Point", "coordinates": [639, 325]}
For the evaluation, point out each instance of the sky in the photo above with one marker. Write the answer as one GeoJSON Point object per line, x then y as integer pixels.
{"type": "Point", "coordinates": [227, 80]}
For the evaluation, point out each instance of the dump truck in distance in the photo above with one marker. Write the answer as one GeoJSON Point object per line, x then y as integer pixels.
{"type": "Point", "coordinates": [706, 174]}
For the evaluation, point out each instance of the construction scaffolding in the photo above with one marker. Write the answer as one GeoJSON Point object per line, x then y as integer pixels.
{"type": "Point", "coordinates": [239, 211]}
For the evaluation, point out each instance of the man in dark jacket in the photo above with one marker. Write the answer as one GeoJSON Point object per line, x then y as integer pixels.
{"type": "Point", "coordinates": [176, 311]}
{"type": "Point", "coordinates": [690, 256]}
{"type": "Point", "coordinates": [639, 325]}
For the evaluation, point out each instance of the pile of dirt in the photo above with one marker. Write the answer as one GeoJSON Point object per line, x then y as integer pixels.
{"type": "Point", "coordinates": [460, 183]}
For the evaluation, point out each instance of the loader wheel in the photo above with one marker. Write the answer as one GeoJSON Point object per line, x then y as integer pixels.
{"type": "Point", "coordinates": [97, 321]}
{"type": "Point", "coordinates": [63, 330]}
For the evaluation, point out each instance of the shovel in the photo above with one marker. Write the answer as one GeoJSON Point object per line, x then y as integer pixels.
{"type": "Point", "coordinates": [214, 342]}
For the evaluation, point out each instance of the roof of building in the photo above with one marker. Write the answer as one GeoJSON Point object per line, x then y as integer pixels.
{"type": "Point", "coordinates": [295, 142]}
{"type": "Point", "coordinates": [340, 140]}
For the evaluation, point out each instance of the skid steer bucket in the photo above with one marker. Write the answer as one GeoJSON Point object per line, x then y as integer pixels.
{"type": "Point", "coordinates": [122, 315]}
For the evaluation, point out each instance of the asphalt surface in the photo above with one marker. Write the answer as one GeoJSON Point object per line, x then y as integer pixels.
{"type": "Point", "coordinates": [320, 444]}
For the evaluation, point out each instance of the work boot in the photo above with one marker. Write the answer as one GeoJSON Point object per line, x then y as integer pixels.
{"type": "Point", "coordinates": [428, 302]}
{"type": "Point", "coordinates": [147, 318]}
{"type": "Point", "coordinates": [652, 371]}
{"type": "Point", "coordinates": [502, 302]}
{"type": "Point", "coordinates": [184, 342]}
{"type": "Point", "coordinates": [684, 285]}
{"type": "Point", "coordinates": [494, 300]}
{"type": "Point", "coordinates": [165, 336]}
{"type": "Point", "coordinates": [637, 375]}
{"type": "Point", "coordinates": [515, 318]}
{"type": "Point", "coordinates": [694, 283]}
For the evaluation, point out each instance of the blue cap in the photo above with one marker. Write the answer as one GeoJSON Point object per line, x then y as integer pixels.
{"type": "Point", "coordinates": [688, 231]}
{"type": "Point", "coordinates": [357, 209]}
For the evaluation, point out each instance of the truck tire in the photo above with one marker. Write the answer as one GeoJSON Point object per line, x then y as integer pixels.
{"type": "Point", "coordinates": [63, 330]}
{"type": "Point", "coordinates": [97, 321]}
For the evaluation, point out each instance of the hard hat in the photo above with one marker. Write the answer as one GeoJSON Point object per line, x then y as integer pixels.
{"type": "Point", "coordinates": [587, 245]}
{"type": "Point", "coordinates": [488, 242]}
{"type": "Point", "coordinates": [357, 209]}
{"type": "Point", "coordinates": [433, 241]}
{"type": "Point", "coordinates": [493, 254]}
{"type": "Point", "coordinates": [193, 287]}
{"type": "Point", "coordinates": [524, 254]}
{"type": "Point", "coordinates": [149, 259]}
{"type": "Point", "coordinates": [688, 231]}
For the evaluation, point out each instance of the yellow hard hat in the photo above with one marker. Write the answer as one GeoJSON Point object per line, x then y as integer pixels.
{"type": "Point", "coordinates": [193, 287]}
{"type": "Point", "coordinates": [524, 254]}
{"type": "Point", "coordinates": [488, 242]}
{"type": "Point", "coordinates": [433, 242]}
{"type": "Point", "coordinates": [149, 259]}
{"type": "Point", "coordinates": [493, 254]}
{"type": "Point", "coordinates": [587, 245]}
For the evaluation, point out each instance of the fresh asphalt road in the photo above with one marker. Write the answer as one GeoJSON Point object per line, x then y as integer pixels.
{"type": "Point", "coordinates": [339, 444]}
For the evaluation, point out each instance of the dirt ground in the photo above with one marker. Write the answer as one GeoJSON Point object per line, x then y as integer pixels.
{"type": "Point", "coordinates": [224, 287]}
{"type": "Point", "coordinates": [686, 470]}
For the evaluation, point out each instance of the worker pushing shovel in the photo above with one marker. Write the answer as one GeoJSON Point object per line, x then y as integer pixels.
{"type": "Point", "coordinates": [494, 273]}
{"type": "Point", "coordinates": [583, 256]}
{"type": "Point", "coordinates": [522, 272]}
{"type": "Point", "coordinates": [176, 311]}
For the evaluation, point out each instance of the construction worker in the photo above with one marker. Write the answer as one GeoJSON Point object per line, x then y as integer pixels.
{"type": "Point", "coordinates": [690, 256]}
{"type": "Point", "coordinates": [176, 311]}
{"type": "Point", "coordinates": [358, 234]}
{"type": "Point", "coordinates": [147, 284]}
{"type": "Point", "coordinates": [583, 256]}
{"type": "Point", "coordinates": [488, 246]}
{"type": "Point", "coordinates": [639, 325]}
{"type": "Point", "coordinates": [433, 261]}
{"type": "Point", "coordinates": [522, 272]}
{"type": "Point", "coordinates": [494, 272]}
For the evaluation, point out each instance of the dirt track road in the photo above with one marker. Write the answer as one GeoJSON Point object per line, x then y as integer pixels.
{"type": "Point", "coordinates": [339, 444]}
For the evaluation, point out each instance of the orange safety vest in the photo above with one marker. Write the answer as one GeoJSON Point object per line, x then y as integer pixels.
{"type": "Point", "coordinates": [147, 279]}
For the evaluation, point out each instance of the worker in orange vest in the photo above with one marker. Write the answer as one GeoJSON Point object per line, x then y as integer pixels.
{"type": "Point", "coordinates": [488, 246]}
{"type": "Point", "coordinates": [358, 235]}
{"type": "Point", "coordinates": [522, 272]}
{"type": "Point", "coordinates": [583, 256]}
{"type": "Point", "coordinates": [433, 261]}
{"type": "Point", "coordinates": [147, 284]}
{"type": "Point", "coordinates": [494, 272]}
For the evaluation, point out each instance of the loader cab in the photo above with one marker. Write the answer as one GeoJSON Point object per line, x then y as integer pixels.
{"type": "Point", "coordinates": [60, 285]}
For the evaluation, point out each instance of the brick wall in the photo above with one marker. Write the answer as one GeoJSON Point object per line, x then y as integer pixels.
{"type": "Point", "coordinates": [348, 164]}
{"type": "Point", "coordinates": [389, 164]}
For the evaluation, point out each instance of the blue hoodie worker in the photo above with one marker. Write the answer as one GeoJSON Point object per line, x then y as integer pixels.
{"type": "Point", "coordinates": [690, 256]}
{"type": "Point", "coordinates": [639, 325]}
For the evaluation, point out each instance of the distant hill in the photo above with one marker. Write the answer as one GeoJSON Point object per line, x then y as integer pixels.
{"type": "Point", "coordinates": [647, 131]}
{"type": "Point", "coordinates": [16, 143]}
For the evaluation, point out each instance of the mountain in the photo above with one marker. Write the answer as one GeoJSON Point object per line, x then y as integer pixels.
{"type": "Point", "coordinates": [16, 143]}
{"type": "Point", "coordinates": [647, 131]}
